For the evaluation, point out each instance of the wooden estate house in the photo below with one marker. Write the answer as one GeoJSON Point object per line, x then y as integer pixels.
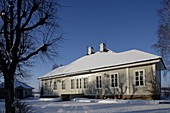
{"type": "Point", "coordinates": [132, 74]}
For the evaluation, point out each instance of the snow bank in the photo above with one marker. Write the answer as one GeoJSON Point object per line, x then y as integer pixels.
{"type": "Point", "coordinates": [117, 101]}
{"type": "Point", "coordinates": [51, 99]}
{"type": "Point", "coordinates": [84, 100]}
{"type": "Point", "coordinates": [43, 99]}
{"type": "Point", "coordinates": [129, 101]}
{"type": "Point", "coordinates": [108, 101]}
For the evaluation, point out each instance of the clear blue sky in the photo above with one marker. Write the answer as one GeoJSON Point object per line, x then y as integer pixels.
{"type": "Point", "coordinates": [122, 24]}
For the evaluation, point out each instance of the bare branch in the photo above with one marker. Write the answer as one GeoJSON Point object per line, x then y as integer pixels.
{"type": "Point", "coordinates": [40, 22]}
{"type": "Point", "coordinates": [3, 65]}
{"type": "Point", "coordinates": [33, 9]}
{"type": "Point", "coordinates": [21, 23]}
{"type": "Point", "coordinates": [163, 32]}
{"type": "Point", "coordinates": [5, 29]}
{"type": "Point", "coordinates": [18, 33]}
{"type": "Point", "coordinates": [11, 24]}
{"type": "Point", "coordinates": [42, 48]}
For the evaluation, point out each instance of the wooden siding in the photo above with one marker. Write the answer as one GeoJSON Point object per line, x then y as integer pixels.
{"type": "Point", "coordinates": [126, 84]}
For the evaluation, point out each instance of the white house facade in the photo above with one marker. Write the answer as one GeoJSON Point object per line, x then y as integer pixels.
{"type": "Point", "coordinates": [131, 74]}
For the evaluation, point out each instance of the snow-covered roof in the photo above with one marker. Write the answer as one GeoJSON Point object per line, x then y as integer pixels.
{"type": "Point", "coordinates": [18, 84]}
{"type": "Point", "coordinates": [102, 60]}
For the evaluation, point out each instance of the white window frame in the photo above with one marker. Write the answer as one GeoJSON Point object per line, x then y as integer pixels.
{"type": "Point", "coordinates": [55, 85]}
{"type": "Point", "coordinates": [72, 83]}
{"type": "Point", "coordinates": [99, 83]}
{"type": "Point", "coordinates": [63, 84]}
{"type": "Point", "coordinates": [85, 81]}
{"type": "Point", "coordinates": [45, 86]}
{"type": "Point", "coordinates": [114, 80]}
{"type": "Point", "coordinates": [139, 78]}
{"type": "Point", "coordinates": [77, 83]}
{"type": "Point", "coordinates": [80, 82]}
{"type": "Point", "coordinates": [50, 83]}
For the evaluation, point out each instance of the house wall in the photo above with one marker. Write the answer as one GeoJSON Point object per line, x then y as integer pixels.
{"type": "Point", "coordinates": [158, 77]}
{"type": "Point", "coordinates": [145, 89]}
{"type": "Point", "coordinates": [126, 83]}
{"type": "Point", "coordinates": [28, 92]}
{"type": "Point", "coordinates": [23, 93]}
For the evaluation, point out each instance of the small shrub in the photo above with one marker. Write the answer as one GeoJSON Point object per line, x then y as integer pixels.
{"type": "Point", "coordinates": [22, 107]}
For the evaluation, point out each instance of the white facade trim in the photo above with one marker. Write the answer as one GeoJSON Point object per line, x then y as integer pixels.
{"type": "Point", "coordinates": [153, 69]}
{"type": "Point", "coordinates": [127, 75]}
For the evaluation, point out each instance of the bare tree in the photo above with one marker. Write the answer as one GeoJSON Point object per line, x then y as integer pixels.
{"type": "Point", "coordinates": [106, 86]}
{"type": "Point", "coordinates": [134, 89]}
{"type": "Point", "coordinates": [106, 90]}
{"type": "Point", "coordinates": [163, 32]}
{"type": "Point", "coordinates": [28, 30]}
{"type": "Point", "coordinates": [91, 89]}
{"type": "Point", "coordinates": [56, 66]}
{"type": "Point", "coordinates": [121, 90]}
{"type": "Point", "coordinates": [153, 84]}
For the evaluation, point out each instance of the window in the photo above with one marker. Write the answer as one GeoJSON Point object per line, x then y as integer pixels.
{"type": "Point", "coordinates": [50, 83]}
{"type": "Point", "coordinates": [80, 82]}
{"type": "Point", "coordinates": [63, 84]}
{"type": "Point", "coordinates": [72, 84]}
{"type": "Point", "coordinates": [139, 78]}
{"type": "Point", "coordinates": [45, 86]}
{"type": "Point", "coordinates": [55, 85]}
{"type": "Point", "coordinates": [77, 83]}
{"type": "Point", "coordinates": [114, 80]}
{"type": "Point", "coordinates": [85, 82]}
{"type": "Point", "coordinates": [98, 82]}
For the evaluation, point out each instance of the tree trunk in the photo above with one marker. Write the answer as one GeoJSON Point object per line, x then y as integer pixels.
{"type": "Point", "coordinates": [9, 93]}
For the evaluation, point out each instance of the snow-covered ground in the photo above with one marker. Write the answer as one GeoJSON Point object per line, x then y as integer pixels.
{"type": "Point", "coordinates": [83, 105]}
